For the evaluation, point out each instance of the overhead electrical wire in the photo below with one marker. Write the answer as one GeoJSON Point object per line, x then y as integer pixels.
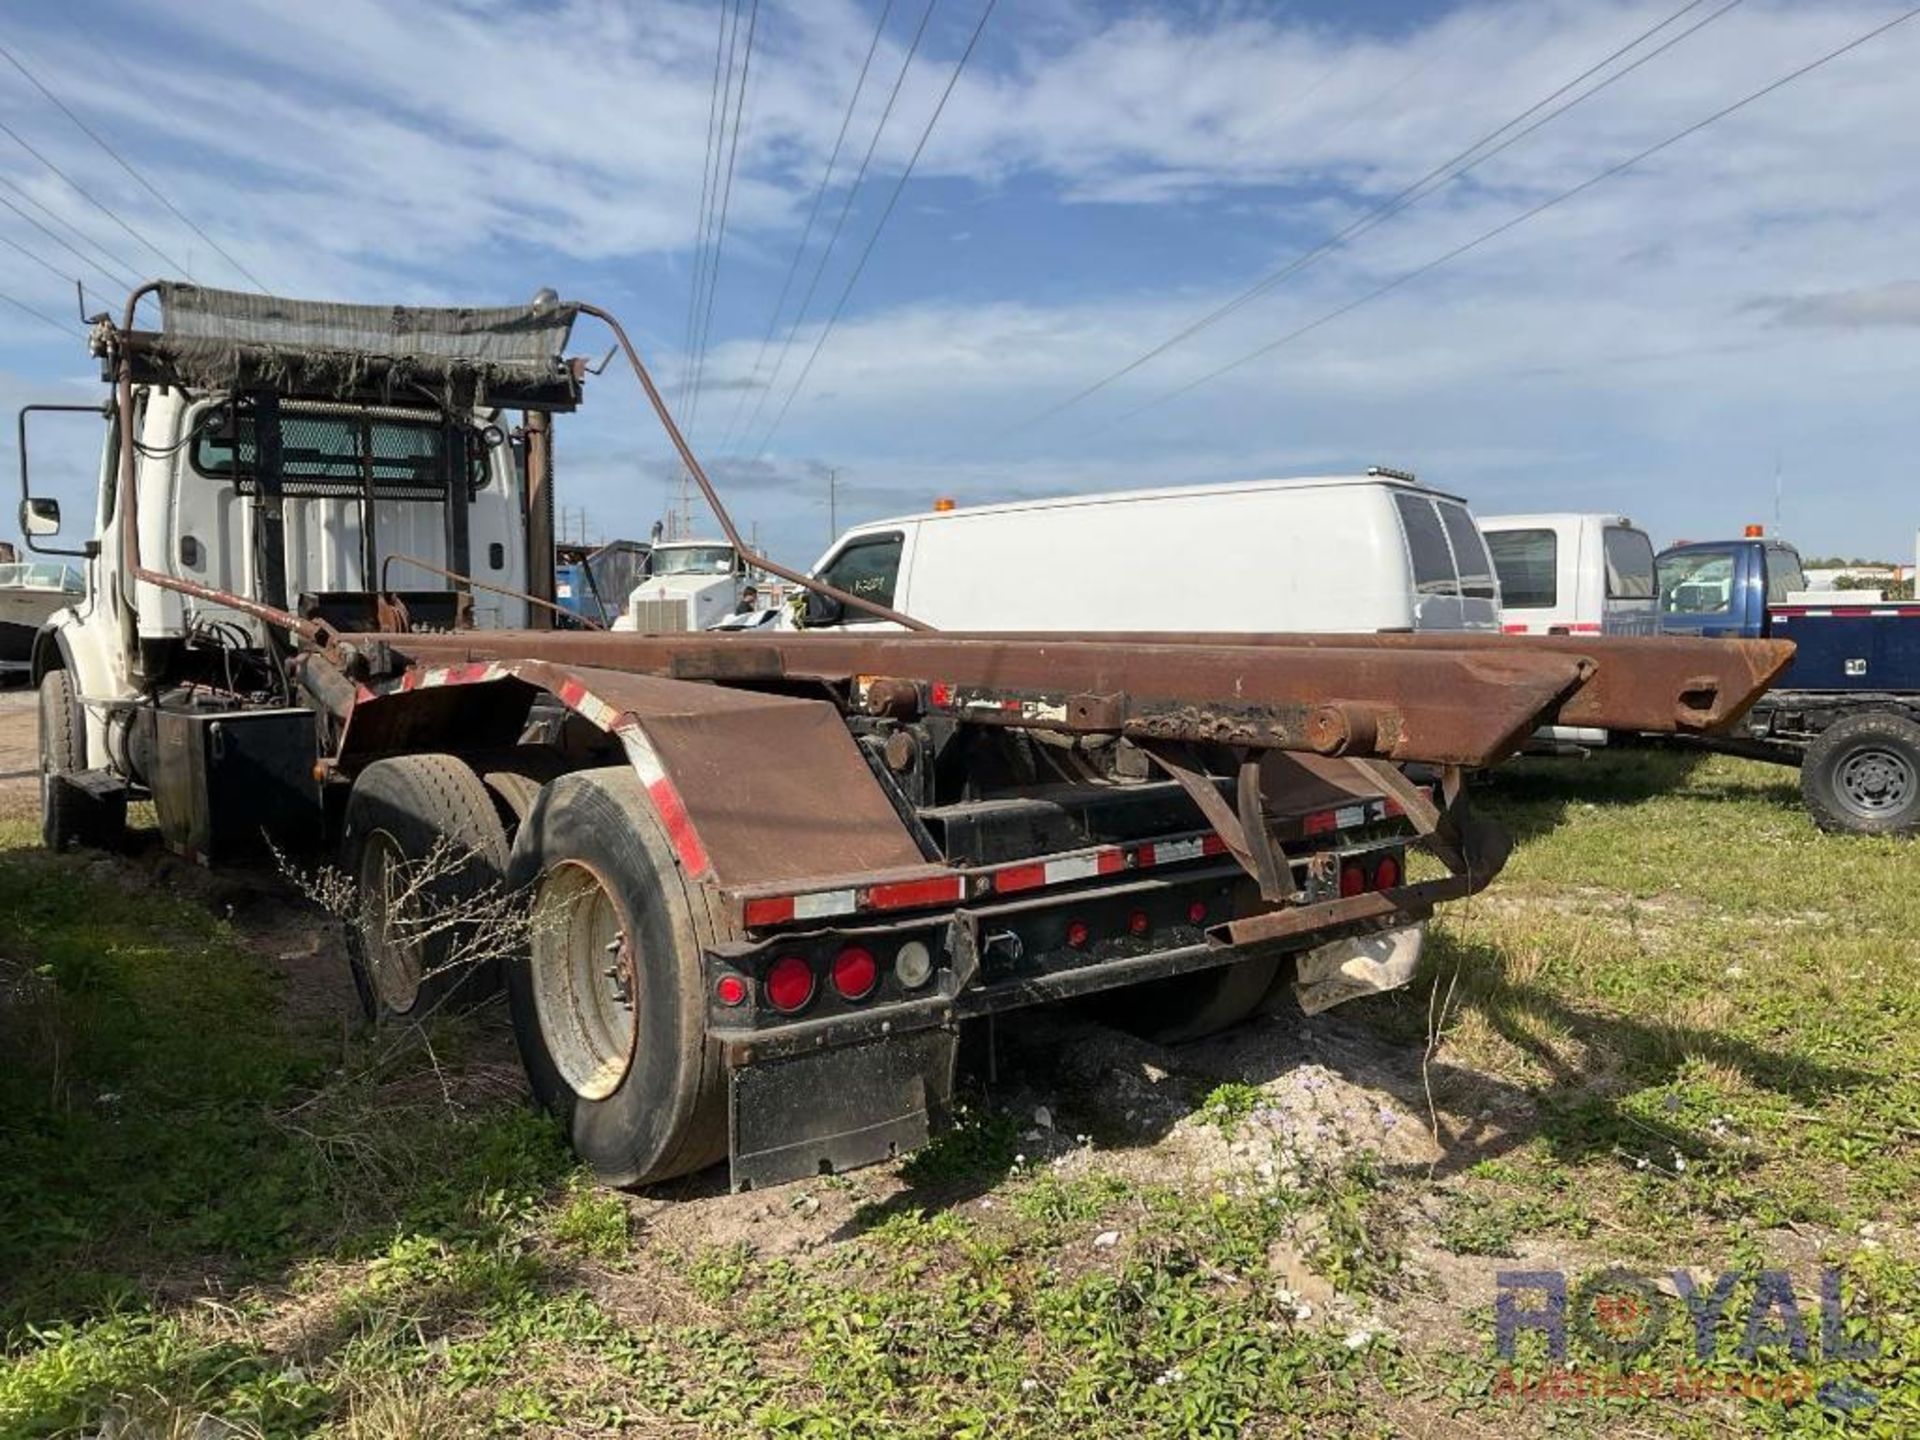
{"type": "Point", "coordinates": [84, 194]}
{"type": "Point", "coordinates": [872, 240]}
{"type": "Point", "coordinates": [1524, 216]}
{"type": "Point", "coordinates": [1441, 175]}
{"type": "Point", "coordinates": [63, 244]}
{"type": "Point", "coordinates": [120, 160]}
{"type": "Point", "coordinates": [66, 331]}
{"type": "Point", "coordinates": [840, 220]}
{"type": "Point", "coordinates": [726, 202]}
{"type": "Point", "coordinates": [806, 233]}
{"type": "Point", "coordinates": [707, 176]}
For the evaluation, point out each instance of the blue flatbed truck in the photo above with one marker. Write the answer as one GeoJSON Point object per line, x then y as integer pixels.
{"type": "Point", "coordinates": [1846, 712]}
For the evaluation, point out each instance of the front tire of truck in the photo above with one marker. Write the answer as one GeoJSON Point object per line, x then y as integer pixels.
{"type": "Point", "coordinates": [608, 1003]}
{"type": "Point", "coordinates": [71, 815]}
{"type": "Point", "coordinates": [1861, 775]}
{"type": "Point", "coordinates": [427, 855]}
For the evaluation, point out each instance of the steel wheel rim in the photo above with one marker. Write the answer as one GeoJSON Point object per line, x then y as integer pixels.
{"type": "Point", "coordinates": [392, 964]}
{"type": "Point", "coordinates": [1874, 782]}
{"type": "Point", "coordinates": [585, 980]}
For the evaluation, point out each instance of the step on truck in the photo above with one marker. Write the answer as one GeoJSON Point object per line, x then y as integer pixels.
{"type": "Point", "coordinates": [1846, 713]}
{"type": "Point", "coordinates": [766, 877]}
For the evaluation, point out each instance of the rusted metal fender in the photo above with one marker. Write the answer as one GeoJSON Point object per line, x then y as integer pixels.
{"type": "Point", "coordinates": [751, 788]}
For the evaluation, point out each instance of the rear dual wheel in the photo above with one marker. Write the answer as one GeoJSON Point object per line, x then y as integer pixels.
{"type": "Point", "coordinates": [426, 851]}
{"type": "Point", "coordinates": [608, 1003]}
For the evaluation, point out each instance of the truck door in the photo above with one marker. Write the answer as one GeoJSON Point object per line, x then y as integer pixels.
{"type": "Point", "coordinates": [1700, 589]}
{"type": "Point", "coordinates": [1628, 575]}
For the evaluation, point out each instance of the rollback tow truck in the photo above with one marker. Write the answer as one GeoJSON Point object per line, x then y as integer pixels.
{"type": "Point", "coordinates": [769, 875]}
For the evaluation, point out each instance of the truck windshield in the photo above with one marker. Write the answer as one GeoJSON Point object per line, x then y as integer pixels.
{"type": "Point", "coordinates": [1696, 582]}
{"type": "Point", "coordinates": [692, 560]}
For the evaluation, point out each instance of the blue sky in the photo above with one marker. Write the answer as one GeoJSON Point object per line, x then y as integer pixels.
{"type": "Point", "coordinates": [1102, 175]}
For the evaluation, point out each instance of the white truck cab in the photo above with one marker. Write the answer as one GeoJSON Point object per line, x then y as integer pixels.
{"type": "Point", "coordinates": [1572, 574]}
{"type": "Point", "coordinates": [1374, 552]}
{"type": "Point", "coordinates": [363, 505]}
{"type": "Point", "coordinates": [688, 585]}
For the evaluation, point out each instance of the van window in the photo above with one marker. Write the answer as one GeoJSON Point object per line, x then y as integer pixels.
{"type": "Point", "coordinates": [1470, 557]}
{"type": "Point", "coordinates": [1696, 583]}
{"type": "Point", "coordinates": [1784, 575]}
{"type": "Point", "coordinates": [1529, 566]}
{"type": "Point", "coordinates": [1629, 564]}
{"type": "Point", "coordinates": [868, 567]}
{"type": "Point", "coordinates": [1426, 546]}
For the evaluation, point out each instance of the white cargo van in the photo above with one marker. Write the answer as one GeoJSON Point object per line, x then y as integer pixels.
{"type": "Point", "coordinates": [1346, 553]}
{"type": "Point", "coordinates": [1572, 574]}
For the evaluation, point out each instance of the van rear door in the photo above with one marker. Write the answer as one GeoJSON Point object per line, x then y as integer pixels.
{"type": "Point", "coordinates": [1452, 576]}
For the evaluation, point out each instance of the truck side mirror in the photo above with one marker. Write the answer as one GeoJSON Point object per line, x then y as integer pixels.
{"type": "Point", "coordinates": [823, 610]}
{"type": "Point", "coordinates": [40, 516]}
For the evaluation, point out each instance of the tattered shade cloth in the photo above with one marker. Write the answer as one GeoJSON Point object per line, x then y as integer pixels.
{"type": "Point", "coordinates": [231, 340]}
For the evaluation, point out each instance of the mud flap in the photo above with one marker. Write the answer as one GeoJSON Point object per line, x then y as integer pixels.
{"type": "Point", "coordinates": [1343, 970]}
{"type": "Point", "coordinates": [837, 1109]}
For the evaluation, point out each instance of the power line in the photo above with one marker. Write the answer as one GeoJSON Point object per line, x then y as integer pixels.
{"type": "Point", "coordinates": [696, 338]}
{"type": "Point", "coordinates": [1525, 215]}
{"type": "Point", "coordinates": [726, 202]}
{"type": "Point", "coordinates": [708, 172]}
{"type": "Point", "coordinates": [806, 234]}
{"type": "Point", "coordinates": [840, 221]}
{"type": "Point", "coordinates": [66, 332]}
{"type": "Point", "coordinates": [1441, 175]}
{"type": "Point", "coordinates": [99, 205]}
{"type": "Point", "coordinates": [120, 160]}
{"type": "Point", "coordinates": [874, 238]}
{"type": "Point", "coordinates": [62, 243]}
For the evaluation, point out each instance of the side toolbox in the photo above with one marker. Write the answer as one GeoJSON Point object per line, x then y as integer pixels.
{"type": "Point", "coordinates": [226, 783]}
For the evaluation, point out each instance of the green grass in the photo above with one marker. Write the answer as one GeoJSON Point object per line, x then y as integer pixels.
{"type": "Point", "coordinates": [1684, 1031]}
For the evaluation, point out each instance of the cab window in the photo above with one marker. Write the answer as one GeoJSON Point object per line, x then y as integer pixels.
{"type": "Point", "coordinates": [868, 567]}
{"type": "Point", "coordinates": [1784, 576]}
{"type": "Point", "coordinates": [1700, 583]}
{"type": "Point", "coordinates": [1528, 562]}
{"type": "Point", "coordinates": [1629, 556]}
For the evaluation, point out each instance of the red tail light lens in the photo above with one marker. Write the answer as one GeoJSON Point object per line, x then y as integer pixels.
{"type": "Point", "coordinates": [789, 984]}
{"type": "Point", "coordinates": [1197, 912]}
{"type": "Point", "coordinates": [1353, 880]}
{"type": "Point", "coordinates": [1078, 934]}
{"type": "Point", "coordinates": [1138, 923]}
{"type": "Point", "coordinates": [731, 990]}
{"type": "Point", "coordinates": [1386, 874]}
{"type": "Point", "coordinates": [855, 973]}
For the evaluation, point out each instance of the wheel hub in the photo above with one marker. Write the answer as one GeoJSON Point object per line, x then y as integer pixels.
{"type": "Point", "coordinates": [586, 975]}
{"type": "Point", "coordinates": [1875, 782]}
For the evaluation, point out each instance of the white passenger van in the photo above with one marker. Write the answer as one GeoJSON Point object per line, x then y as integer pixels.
{"type": "Point", "coordinates": [1572, 574]}
{"type": "Point", "coordinates": [1346, 553]}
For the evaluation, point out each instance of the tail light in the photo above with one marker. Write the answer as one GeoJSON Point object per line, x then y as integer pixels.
{"type": "Point", "coordinates": [789, 984]}
{"type": "Point", "coordinates": [1197, 913]}
{"type": "Point", "coordinates": [1078, 934]}
{"type": "Point", "coordinates": [1353, 880]}
{"type": "Point", "coordinates": [913, 965]}
{"type": "Point", "coordinates": [855, 973]}
{"type": "Point", "coordinates": [1386, 875]}
{"type": "Point", "coordinates": [731, 990]}
{"type": "Point", "coordinates": [1138, 923]}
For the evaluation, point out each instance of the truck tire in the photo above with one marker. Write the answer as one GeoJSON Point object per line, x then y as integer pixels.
{"type": "Point", "coordinates": [69, 814]}
{"type": "Point", "coordinates": [1861, 775]}
{"type": "Point", "coordinates": [423, 841]}
{"type": "Point", "coordinates": [608, 1000]}
{"type": "Point", "coordinates": [1192, 1007]}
